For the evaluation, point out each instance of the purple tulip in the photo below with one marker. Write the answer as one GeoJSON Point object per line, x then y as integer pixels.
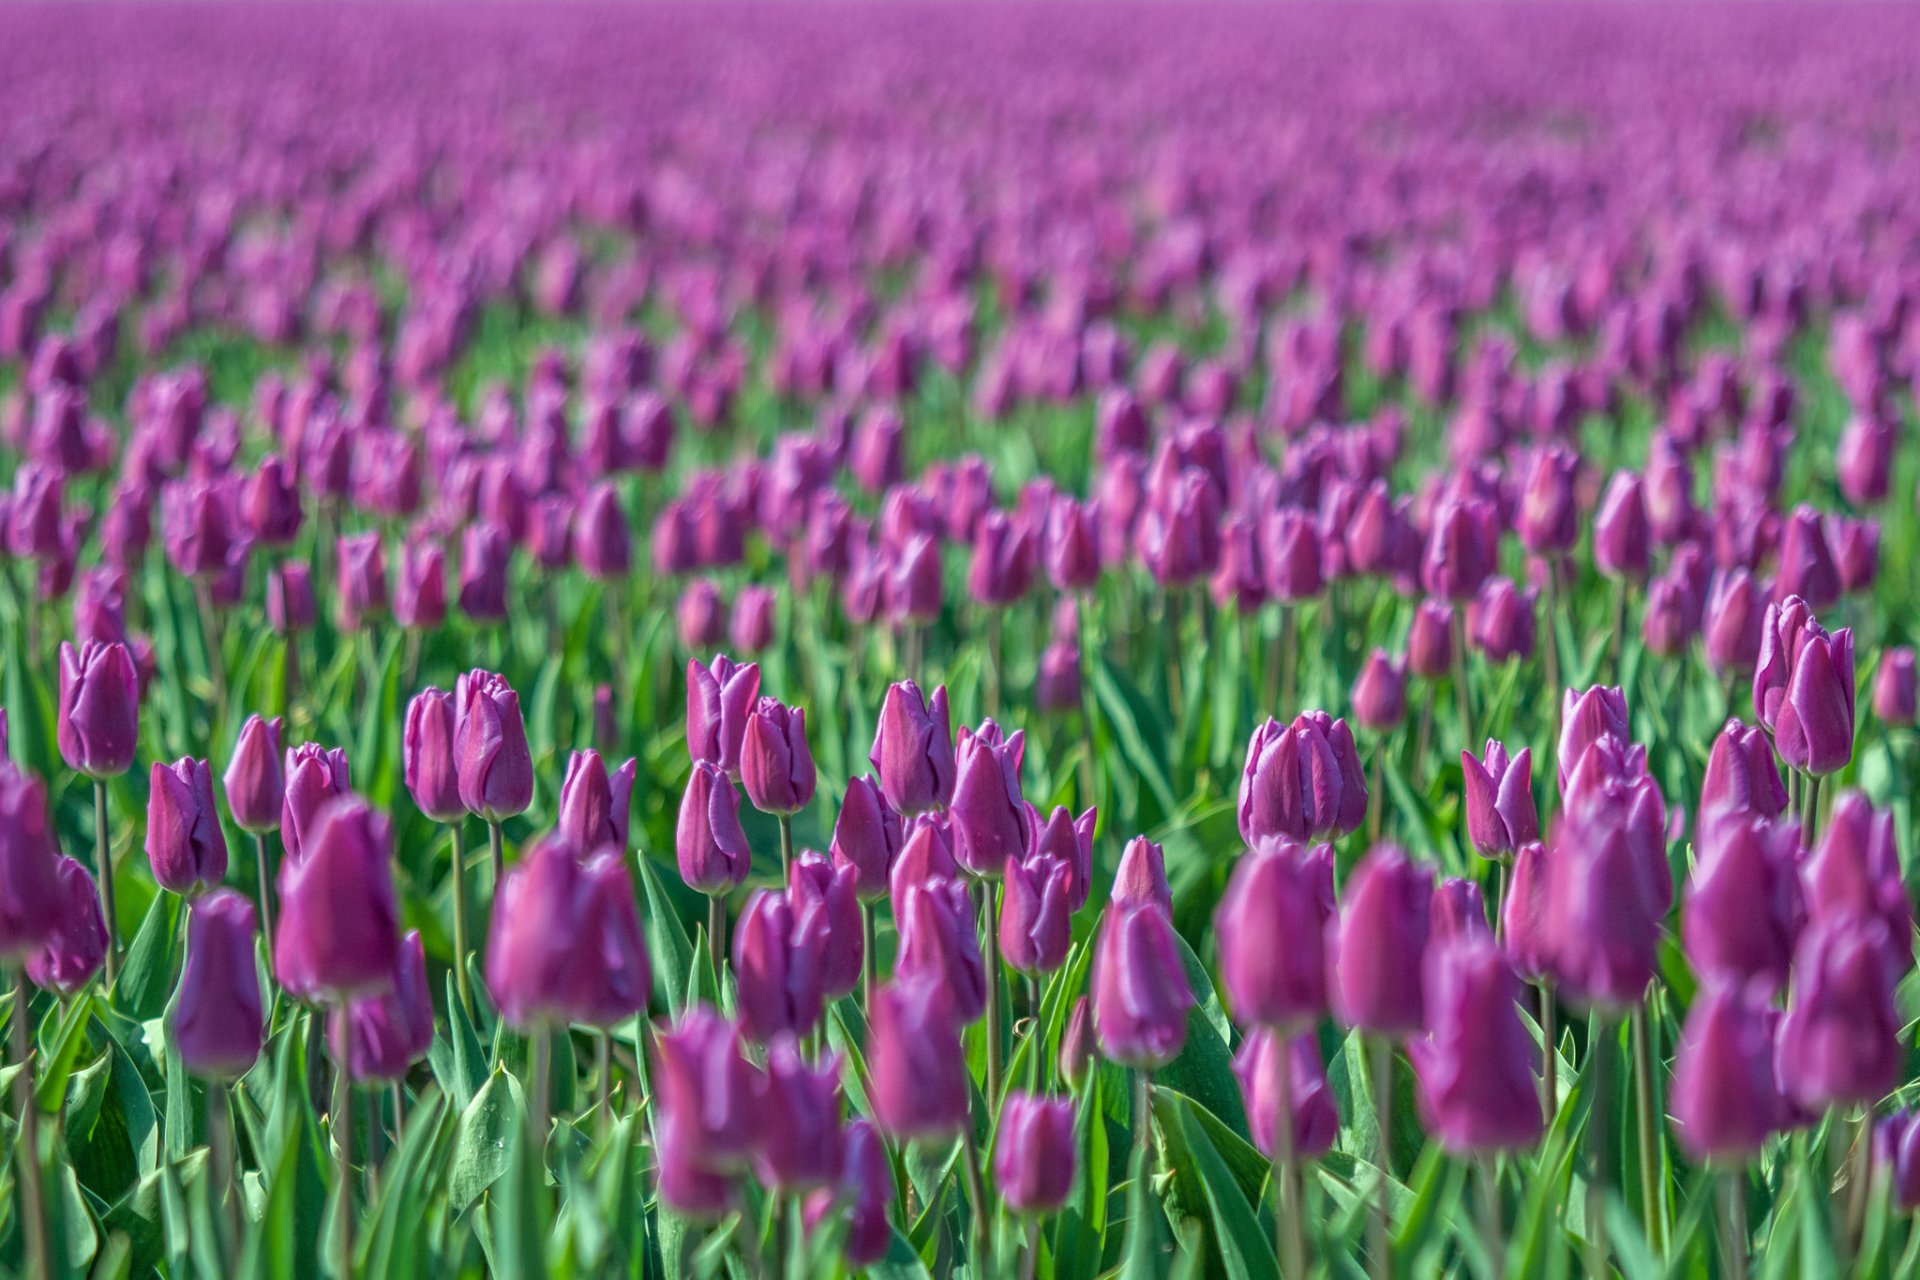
{"type": "Point", "coordinates": [710, 846]}
{"type": "Point", "coordinates": [937, 937]}
{"type": "Point", "coordinates": [753, 616]}
{"type": "Point", "coordinates": [393, 1030]}
{"type": "Point", "coordinates": [1548, 519]}
{"type": "Point", "coordinates": [1501, 620]}
{"type": "Point", "coordinates": [801, 1144]}
{"type": "Point", "coordinates": [1744, 908]}
{"type": "Point", "coordinates": [867, 837]}
{"type": "Point", "coordinates": [720, 697]}
{"type": "Point", "coordinates": [602, 539]}
{"type": "Point", "coordinates": [1036, 926]}
{"type": "Point", "coordinates": [989, 815]}
{"type": "Point", "coordinates": [1001, 570]}
{"type": "Point", "coordinates": [1806, 567]}
{"type": "Point", "coordinates": [1894, 696]}
{"type": "Point", "coordinates": [1725, 1101]}
{"type": "Point", "coordinates": [1735, 611]}
{"type": "Point", "coordinates": [1315, 1121]}
{"type": "Point", "coordinates": [362, 579]}
{"type": "Point", "coordinates": [1840, 1040]}
{"type": "Point", "coordinates": [290, 602]}
{"type": "Point", "coordinates": [314, 776]}
{"type": "Point", "coordinates": [818, 889]}
{"type": "Point", "coordinates": [485, 549]}
{"type": "Point", "coordinates": [1380, 692]}
{"type": "Point", "coordinates": [185, 845]}
{"type": "Point", "coordinates": [1600, 911]}
{"type": "Point", "coordinates": [1622, 530]}
{"type": "Point", "coordinates": [1475, 1065]}
{"type": "Point", "coordinates": [1742, 777]}
{"type": "Point", "coordinates": [492, 761]}
{"type": "Point", "coordinates": [76, 947]}
{"type": "Point", "coordinates": [427, 756]}
{"type": "Point", "coordinates": [1142, 876]}
{"type": "Point", "coordinates": [1035, 1157]}
{"type": "Point", "coordinates": [920, 1087]}
{"type": "Point", "coordinates": [1430, 641]}
{"type": "Point", "coordinates": [218, 1024]}
{"type": "Point", "coordinates": [1855, 870]}
{"type": "Point", "coordinates": [1803, 689]}
{"type": "Point", "coordinates": [1302, 781]}
{"type": "Point", "coordinates": [1499, 792]}
{"type": "Point", "coordinates": [1585, 718]}
{"type": "Point", "coordinates": [338, 932]}
{"type": "Point", "coordinates": [1374, 950]}
{"type": "Point", "coordinates": [1270, 923]}
{"type": "Point", "coordinates": [255, 783]}
{"type": "Point", "coordinates": [1462, 550]}
{"type": "Point", "coordinates": [776, 764]}
{"type": "Point", "coordinates": [913, 750]}
{"type": "Point", "coordinates": [420, 586]}
{"type": "Point", "coordinates": [1139, 987]}
{"type": "Point", "coordinates": [1457, 910]}
{"type": "Point", "coordinates": [1077, 1046]}
{"type": "Point", "coordinates": [779, 957]}
{"type": "Point", "coordinates": [1069, 840]}
{"type": "Point", "coordinates": [99, 708]}
{"type": "Point", "coordinates": [29, 888]}
{"type": "Point", "coordinates": [596, 805]}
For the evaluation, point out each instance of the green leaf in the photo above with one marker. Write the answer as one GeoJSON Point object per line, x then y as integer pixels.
{"type": "Point", "coordinates": [482, 1146]}
{"type": "Point", "coordinates": [672, 953]}
{"type": "Point", "coordinates": [1243, 1247]}
{"type": "Point", "coordinates": [145, 983]}
{"type": "Point", "coordinates": [56, 1067]}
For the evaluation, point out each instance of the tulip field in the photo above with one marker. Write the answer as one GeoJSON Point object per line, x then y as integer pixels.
{"type": "Point", "coordinates": [914, 641]}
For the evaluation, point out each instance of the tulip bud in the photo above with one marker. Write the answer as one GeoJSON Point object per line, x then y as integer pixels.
{"type": "Point", "coordinates": [218, 1023]}
{"type": "Point", "coordinates": [1293, 555]}
{"type": "Point", "coordinates": [1056, 686]}
{"type": "Point", "coordinates": [338, 932]}
{"type": "Point", "coordinates": [1622, 530]}
{"type": "Point", "coordinates": [1744, 908]}
{"type": "Point", "coordinates": [1735, 609]}
{"type": "Point", "coordinates": [776, 764]}
{"type": "Point", "coordinates": [937, 936]}
{"type": "Point", "coordinates": [867, 837]}
{"type": "Point", "coordinates": [1864, 464]}
{"type": "Point", "coordinates": [708, 843]}
{"type": "Point", "coordinates": [1036, 926]}
{"type": "Point", "coordinates": [427, 756]}
{"type": "Point", "coordinates": [1430, 642]}
{"type": "Point", "coordinates": [1380, 692]}
{"type": "Point", "coordinates": [420, 589]}
{"type": "Point", "coordinates": [865, 1193]}
{"type": "Point", "coordinates": [1035, 1158]}
{"type": "Point", "coordinates": [77, 945]}
{"type": "Point", "coordinates": [314, 776]}
{"type": "Point", "coordinates": [596, 806]}
{"type": "Point", "coordinates": [1457, 910]}
{"type": "Point", "coordinates": [988, 813]}
{"type": "Point", "coordinates": [492, 761]}
{"type": "Point", "coordinates": [363, 579]}
{"type": "Point", "coordinates": [99, 708]}
{"type": "Point", "coordinates": [1302, 781]}
{"type": "Point", "coordinates": [815, 885]}
{"type": "Point", "coordinates": [1856, 552]}
{"type": "Point", "coordinates": [1461, 551]}
{"type": "Point", "coordinates": [1315, 1122]}
{"type": "Point", "coordinates": [752, 628]}
{"type": "Point", "coordinates": [1585, 718]}
{"type": "Point", "coordinates": [1141, 877]}
{"type": "Point", "coordinates": [1072, 546]}
{"type": "Point", "coordinates": [801, 1144]}
{"type": "Point", "coordinates": [185, 845]}
{"type": "Point", "coordinates": [1548, 520]}
{"type": "Point", "coordinates": [1077, 1045]}
{"type": "Point", "coordinates": [602, 540]}
{"type": "Point", "coordinates": [920, 1087]}
{"type": "Point", "coordinates": [255, 784]}
{"type": "Point", "coordinates": [29, 886]}
{"type": "Point", "coordinates": [1140, 990]}
{"type": "Point", "coordinates": [393, 1030]}
{"type": "Point", "coordinates": [1600, 912]}
{"type": "Point", "coordinates": [1069, 840]}
{"type": "Point", "coordinates": [1742, 776]}
{"type": "Point", "coordinates": [1725, 1100]}
{"type": "Point", "coordinates": [1855, 870]}
{"type": "Point", "coordinates": [1374, 954]}
{"type": "Point", "coordinates": [1270, 923]}
{"type": "Point", "coordinates": [1806, 566]}
{"type": "Point", "coordinates": [1501, 620]}
{"type": "Point", "coordinates": [484, 552]}
{"type": "Point", "coordinates": [1894, 688]}
{"type": "Point", "coordinates": [290, 605]}
{"type": "Point", "coordinates": [1804, 690]}
{"type": "Point", "coordinates": [913, 750]}
{"type": "Point", "coordinates": [719, 699]}
{"type": "Point", "coordinates": [1840, 1040]}
{"type": "Point", "coordinates": [1475, 1067]}
{"type": "Point", "coordinates": [1500, 810]}
{"type": "Point", "coordinates": [779, 958]}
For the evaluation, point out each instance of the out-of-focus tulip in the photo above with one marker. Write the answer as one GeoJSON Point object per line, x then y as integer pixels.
{"type": "Point", "coordinates": [491, 758]}
{"type": "Point", "coordinates": [314, 776]}
{"type": "Point", "coordinates": [1500, 811]}
{"type": "Point", "coordinates": [290, 603]}
{"type": "Point", "coordinates": [255, 784]}
{"type": "Point", "coordinates": [1584, 719]}
{"type": "Point", "coordinates": [801, 1144]}
{"type": "Point", "coordinates": [77, 945]}
{"type": "Point", "coordinates": [1380, 692]}
{"type": "Point", "coordinates": [989, 815]}
{"type": "Point", "coordinates": [1035, 1158]}
{"type": "Point", "coordinates": [1140, 990]}
{"type": "Point", "coordinates": [776, 763]}
{"type": "Point", "coordinates": [1142, 875]}
{"type": "Point", "coordinates": [709, 845]}
{"type": "Point", "coordinates": [393, 1030]}
{"type": "Point", "coordinates": [602, 539]}
{"type": "Point", "coordinates": [596, 805]}
{"type": "Point", "coordinates": [484, 551]}
{"type": "Point", "coordinates": [1803, 689]}
{"type": "Point", "coordinates": [1475, 1065]}
{"type": "Point", "coordinates": [913, 750]}
{"type": "Point", "coordinates": [185, 845]}
{"type": "Point", "coordinates": [1262, 1057]}
{"type": "Point", "coordinates": [752, 626]}
{"type": "Point", "coordinates": [1001, 569]}
{"type": "Point", "coordinates": [779, 956]}
{"type": "Point", "coordinates": [1806, 567]}
{"type": "Point", "coordinates": [701, 615]}
{"type": "Point", "coordinates": [937, 937]}
{"type": "Point", "coordinates": [1840, 1040]}
{"type": "Point", "coordinates": [1270, 924]}
{"type": "Point", "coordinates": [28, 885]}
{"type": "Point", "coordinates": [866, 1191]}
{"type": "Point", "coordinates": [1548, 520]}
{"type": "Point", "coordinates": [99, 708]}
{"type": "Point", "coordinates": [1077, 1044]}
{"type": "Point", "coordinates": [920, 1087]}
{"type": "Point", "coordinates": [420, 585]}
{"type": "Point", "coordinates": [720, 697]}
{"type": "Point", "coordinates": [1374, 952]}
{"type": "Point", "coordinates": [867, 837]}
{"type": "Point", "coordinates": [1622, 531]}
{"type": "Point", "coordinates": [1501, 620]}
{"type": "Point", "coordinates": [362, 579]}
{"type": "Point", "coordinates": [1523, 914]}
{"type": "Point", "coordinates": [1894, 698]}
{"type": "Point", "coordinates": [1600, 913]}
{"type": "Point", "coordinates": [1725, 1100]}
{"type": "Point", "coordinates": [1855, 870]}
{"type": "Point", "coordinates": [1744, 908]}
{"type": "Point", "coordinates": [1736, 609]}
{"type": "Point", "coordinates": [338, 932]}
{"type": "Point", "coordinates": [427, 756]}
{"type": "Point", "coordinates": [1461, 552]}
{"type": "Point", "coordinates": [218, 1022]}
{"type": "Point", "coordinates": [1864, 464]}
{"type": "Point", "coordinates": [1457, 910]}
{"type": "Point", "coordinates": [1742, 776]}
{"type": "Point", "coordinates": [1430, 642]}
{"type": "Point", "coordinates": [1070, 840]}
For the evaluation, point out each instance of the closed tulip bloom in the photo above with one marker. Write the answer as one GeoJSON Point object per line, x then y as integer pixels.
{"type": "Point", "coordinates": [1586, 717]}
{"type": "Point", "coordinates": [1071, 546]}
{"type": "Point", "coordinates": [926, 856]}
{"type": "Point", "coordinates": [1036, 923]}
{"type": "Point", "coordinates": [1501, 620]}
{"type": "Point", "coordinates": [989, 815]}
{"type": "Point", "coordinates": [1602, 917]}
{"type": "Point", "coordinates": [77, 945]}
{"type": "Point", "coordinates": [1458, 910]}
{"type": "Point", "coordinates": [914, 587]}
{"type": "Point", "coordinates": [1374, 952]}
{"type": "Point", "coordinates": [1725, 1100]}
{"type": "Point", "coordinates": [596, 805]}
{"type": "Point", "coordinates": [1380, 692]}
{"type": "Point", "coordinates": [338, 932]}
{"type": "Point", "coordinates": [218, 1023]}
{"type": "Point", "coordinates": [814, 884]}
{"type": "Point", "coordinates": [29, 889]}
{"type": "Point", "coordinates": [776, 764]}
{"type": "Point", "coordinates": [801, 1144]}
{"type": "Point", "coordinates": [706, 1089]}
{"type": "Point", "coordinates": [1077, 1047]}
{"type": "Point", "coordinates": [485, 550]}
{"type": "Point", "coordinates": [1461, 551]}
{"type": "Point", "coordinates": [1894, 698]}
{"type": "Point", "coordinates": [1475, 1065]}
{"type": "Point", "coordinates": [1864, 463]}
{"type": "Point", "coordinates": [920, 1087]}
{"type": "Point", "coordinates": [492, 760]}
{"type": "Point", "coordinates": [1804, 690]}
{"type": "Point", "coordinates": [1742, 776]}
{"type": "Point", "coordinates": [719, 699]}
{"type": "Point", "coordinates": [1430, 642]}
{"type": "Point", "coordinates": [913, 750]}
{"type": "Point", "coordinates": [865, 1194]}
{"type": "Point", "coordinates": [393, 1030]}
{"type": "Point", "coordinates": [687, 1185]}
{"type": "Point", "coordinates": [363, 579]}
{"type": "Point", "coordinates": [1856, 552]}
{"type": "Point", "coordinates": [752, 626]}
{"type": "Point", "coordinates": [427, 756]}
{"type": "Point", "coordinates": [701, 615]}
{"type": "Point", "coordinates": [1057, 685]}
{"type": "Point", "coordinates": [1140, 990]}
{"type": "Point", "coordinates": [270, 503]}
{"type": "Point", "coordinates": [1806, 567]}
{"type": "Point", "coordinates": [1001, 570]}
{"type": "Point", "coordinates": [420, 585]}
{"type": "Point", "coordinates": [1142, 876]}
{"type": "Point", "coordinates": [255, 783]}
{"type": "Point", "coordinates": [1840, 1040]}
{"type": "Point", "coordinates": [290, 603]}
{"type": "Point", "coordinates": [534, 954]}
{"type": "Point", "coordinates": [1301, 781]}
{"type": "Point", "coordinates": [99, 708]}
{"type": "Point", "coordinates": [613, 977]}
{"type": "Point", "coordinates": [1744, 907]}
{"type": "Point", "coordinates": [1035, 1157]}
{"type": "Point", "coordinates": [1896, 1146]}
{"type": "Point", "coordinates": [937, 937]}
{"type": "Point", "coordinates": [1292, 555]}
{"type": "Point", "coordinates": [1270, 926]}
{"type": "Point", "coordinates": [1376, 539]}
{"type": "Point", "coordinates": [867, 837]}
{"type": "Point", "coordinates": [185, 845]}
{"type": "Point", "coordinates": [314, 776]}
{"type": "Point", "coordinates": [1855, 870]}
{"type": "Point", "coordinates": [708, 843]}
{"type": "Point", "coordinates": [1499, 790]}
{"type": "Point", "coordinates": [779, 957]}
{"type": "Point", "coordinates": [1070, 840]}
{"type": "Point", "coordinates": [1622, 530]}
{"type": "Point", "coordinates": [1548, 519]}
{"type": "Point", "coordinates": [1735, 612]}
{"type": "Point", "coordinates": [1262, 1057]}
{"type": "Point", "coordinates": [602, 539]}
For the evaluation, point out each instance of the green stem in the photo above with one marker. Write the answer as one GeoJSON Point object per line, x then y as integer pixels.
{"type": "Point", "coordinates": [717, 927]}
{"type": "Point", "coordinates": [220, 1154]}
{"type": "Point", "coordinates": [1601, 1044]}
{"type": "Point", "coordinates": [1293, 1254]}
{"type": "Point", "coordinates": [343, 1142]}
{"type": "Point", "coordinates": [603, 1053]}
{"type": "Point", "coordinates": [990, 925]}
{"type": "Point", "coordinates": [461, 982]}
{"type": "Point", "coordinates": [1490, 1228]}
{"type": "Point", "coordinates": [1619, 630]}
{"type": "Point", "coordinates": [497, 847]}
{"type": "Point", "coordinates": [103, 868]}
{"type": "Point", "coordinates": [1382, 1053]}
{"type": "Point", "coordinates": [786, 848]}
{"type": "Point", "coordinates": [1810, 811]}
{"type": "Point", "coordinates": [538, 1103]}
{"type": "Point", "coordinates": [1733, 1224]}
{"type": "Point", "coordinates": [1289, 659]}
{"type": "Point", "coordinates": [976, 1198]}
{"type": "Point", "coordinates": [1549, 1055]}
{"type": "Point", "coordinates": [263, 863]}
{"type": "Point", "coordinates": [1647, 1106]}
{"type": "Point", "coordinates": [869, 965]}
{"type": "Point", "coordinates": [33, 1211]}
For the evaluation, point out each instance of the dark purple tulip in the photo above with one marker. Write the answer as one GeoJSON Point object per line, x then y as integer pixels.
{"type": "Point", "coordinates": [1742, 776]}
{"type": "Point", "coordinates": [254, 782]}
{"type": "Point", "coordinates": [484, 551]}
{"type": "Point", "coordinates": [1501, 620]}
{"type": "Point", "coordinates": [536, 965]}
{"type": "Point", "coordinates": [28, 886]}
{"type": "Point", "coordinates": [1069, 840]}
{"type": "Point", "coordinates": [709, 845]}
{"type": "Point", "coordinates": [1262, 1057]}
{"type": "Point", "coordinates": [1803, 689]}
{"type": "Point", "coordinates": [1475, 1065]}
{"type": "Point", "coordinates": [1035, 1157]}
{"type": "Point", "coordinates": [1806, 566]}
{"type": "Point", "coordinates": [1072, 546]}
{"type": "Point", "coordinates": [491, 757]}
{"type": "Point", "coordinates": [99, 708]}
{"type": "Point", "coordinates": [801, 1144]}
{"type": "Point", "coordinates": [1524, 915]}
{"type": "Point", "coordinates": [185, 845]}
{"type": "Point", "coordinates": [198, 526]}
{"type": "Point", "coordinates": [1599, 911]}
{"type": "Point", "coordinates": [1725, 1101]}
{"type": "Point", "coordinates": [1077, 1044]}
{"type": "Point", "coordinates": [602, 540]}
{"type": "Point", "coordinates": [363, 579]}
{"type": "Point", "coordinates": [816, 887]}
{"type": "Point", "coordinates": [270, 503]}
{"type": "Point", "coordinates": [1036, 926]}
{"type": "Point", "coordinates": [1458, 910]}
{"type": "Point", "coordinates": [420, 585]}
{"type": "Point", "coordinates": [867, 837]}
{"type": "Point", "coordinates": [1840, 1040]}
{"type": "Point", "coordinates": [1270, 925]}
{"type": "Point", "coordinates": [614, 978]}
{"type": "Point", "coordinates": [913, 750]}
{"type": "Point", "coordinates": [1744, 908]}
{"type": "Point", "coordinates": [1622, 530]}
{"type": "Point", "coordinates": [1856, 552]}
{"type": "Point", "coordinates": [1499, 793]}
{"type": "Point", "coordinates": [1057, 687]}
{"type": "Point", "coordinates": [427, 756]}
{"type": "Point", "coordinates": [779, 957]}
{"type": "Point", "coordinates": [1142, 876]}
{"type": "Point", "coordinates": [1302, 781]}
{"type": "Point", "coordinates": [1139, 987]}
{"type": "Point", "coordinates": [707, 1094]}
{"type": "Point", "coordinates": [1855, 870]}
{"type": "Point", "coordinates": [34, 526]}
{"type": "Point", "coordinates": [393, 1030]}
{"type": "Point", "coordinates": [1894, 699]}
{"type": "Point", "coordinates": [1548, 519]}
{"type": "Point", "coordinates": [1292, 554]}
{"type": "Point", "coordinates": [1430, 641]}
{"type": "Point", "coordinates": [1462, 550]}
{"type": "Point", "coordinates": [290, 603]}
{"type": "Point", "coordinates": [1586, 717]}
{"type": "Point", "coordinates": [218, 1024]}
{"type": "Point", "coordinates": [926, 856]}
{"type": "Point", "coordinates": [988, 813]}
{"type": "Point", "coordinates": [719, 699]}
{"type": "Point", "coordinates": [77, 946]}
{"type": "Point", "coordinates": [1864, 464]}
{"type": "Point", "coordinates": [751, 628]}
{"type": "Point", "coordinates": [937, 937]}
{"type": "Point", "coordinates": [1736, 609]}
{"type": "Point", "coordinates": [776, 764]}
{"type": "Point", "coordinates": [865, 1194]}
{"type": "Point", "coordinates": [1001, 570]}
{"type": "Point", "coordinates": [596, 805]}
{"type": "Point", "coordinates": [338, 932]}
{"type": "Point", "coordinates": [920, 1087]}
{"type": "Point", "coordinates": [1380, 692]}
{"type": "Point", "coordinates": [314, 776]}
{"type": "Point", "coordinates": [1374, 952]}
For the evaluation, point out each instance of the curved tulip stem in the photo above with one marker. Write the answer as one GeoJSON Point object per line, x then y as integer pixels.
{"type": "Point", "coordinates": [1810, 809]}
{"type": "Point", "coordinates": [461, 982]}
{"type": "Point", "coordinates": [603, 1053]}
{"type": "Point", "coordinates": [343, 1141]}
{"type": "Point", "coordinates": [1647, 1107]}
{"type": "Point", "coordinates": [1860, 1184]}
{"type": "Point", "coordinates": [33, 1211]}
{"type": "Point", "coordinates": [399, 1115]}
{"type": "Point", "coordinates": [262, 861]}
{"type": "Point", "coordinates": [497, 847]}
{"type": "Point", "coordinates": [1286, 1173]}
{"type": "Point", "coordinates": [786, 848]}
{"type": "Point", "coordinates": [103, 869]}
{"type": "Point", "coordinates": [1733, 1225]}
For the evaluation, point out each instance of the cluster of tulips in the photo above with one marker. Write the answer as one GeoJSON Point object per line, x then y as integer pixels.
{"type": "Point", "coordinates": [1268, 644]}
